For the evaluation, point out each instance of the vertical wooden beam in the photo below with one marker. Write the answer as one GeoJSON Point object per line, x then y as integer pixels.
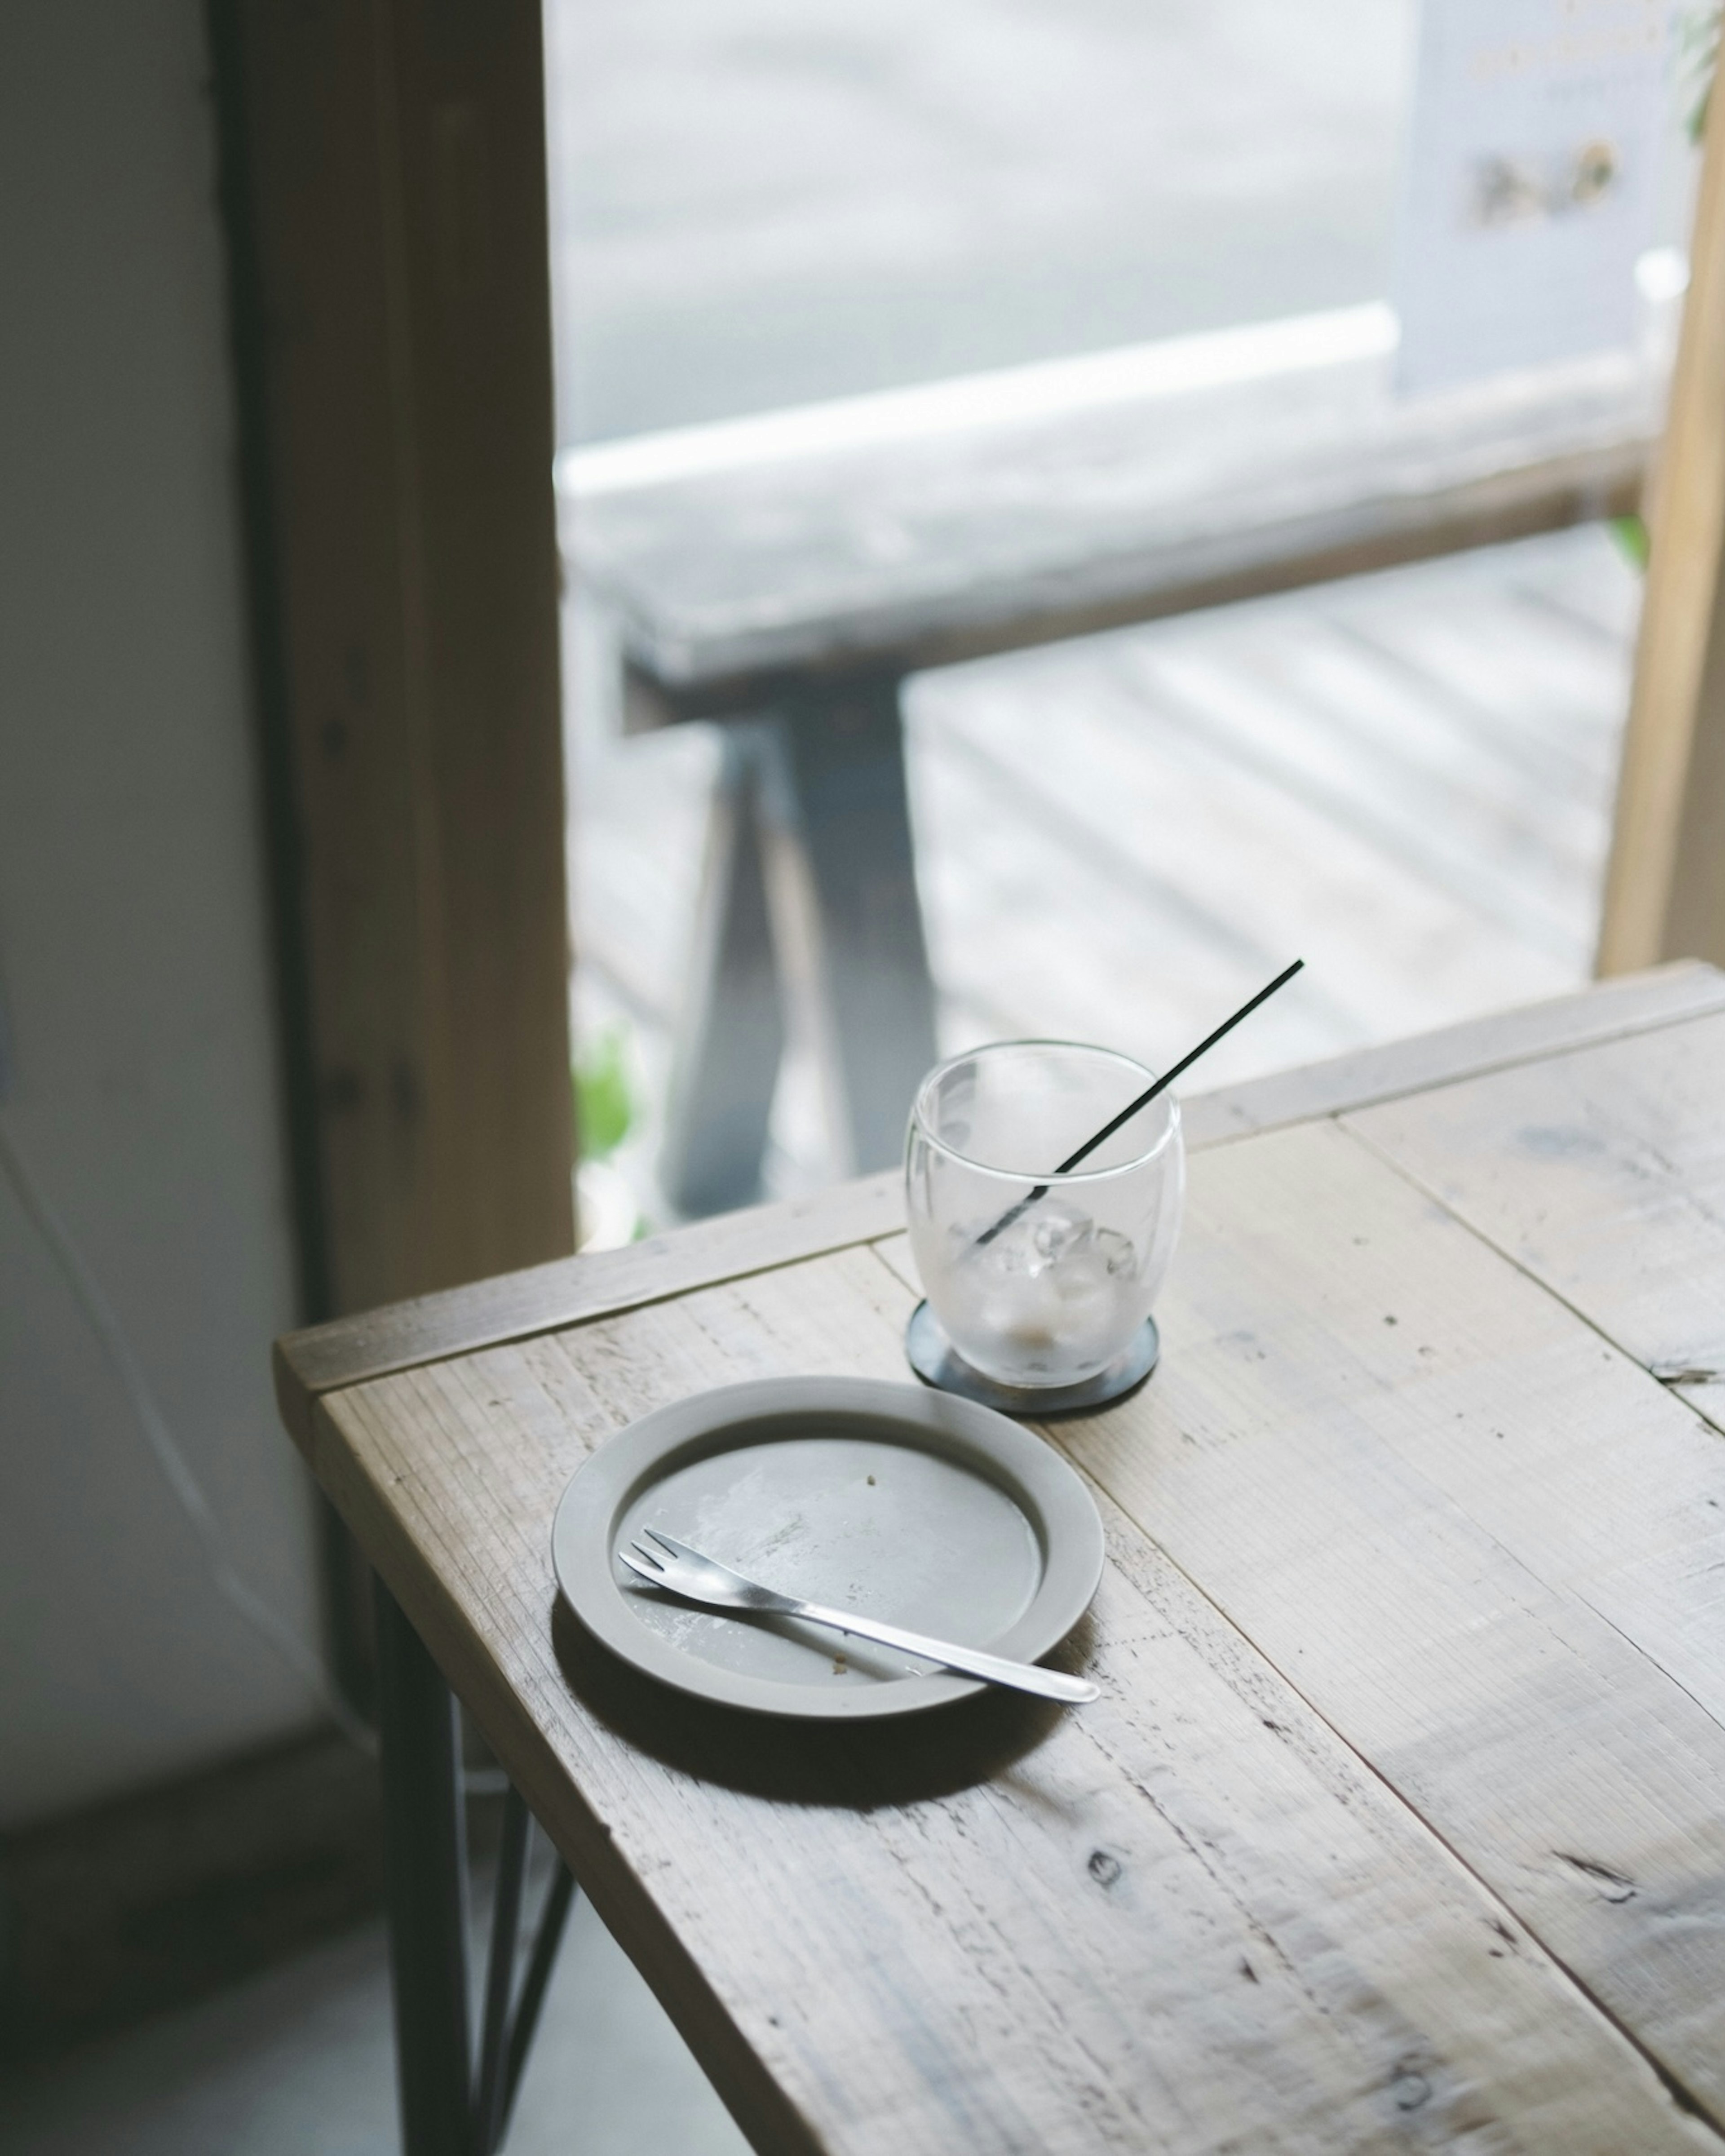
{"type": "Point", "coordinates": [396, 260]}
{"type": "Point", "coordinates": [1665, 893]}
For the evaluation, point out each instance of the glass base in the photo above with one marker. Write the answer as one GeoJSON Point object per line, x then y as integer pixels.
{"type": "Point", "coordinates": [937, 1362]}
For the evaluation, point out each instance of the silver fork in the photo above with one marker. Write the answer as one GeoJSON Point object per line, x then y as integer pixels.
{"type": "Point", "coordinates": [701, 1579]}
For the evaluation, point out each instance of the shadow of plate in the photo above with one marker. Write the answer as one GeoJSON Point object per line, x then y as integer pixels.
{"type": "Point", "coordinates": [856, 1765]}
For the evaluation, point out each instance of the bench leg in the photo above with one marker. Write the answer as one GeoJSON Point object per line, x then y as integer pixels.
{"type": "Point", "coordinates": [845, 758]}
{"type": "Point", "coordinates": [426, 1882]}
{"type": "Point", "coordinates": [725, 1064]}
{"type": "Point", "coordinates": [835, 929]}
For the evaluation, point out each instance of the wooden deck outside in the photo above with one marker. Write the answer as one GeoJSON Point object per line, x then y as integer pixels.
{"type": "Point", "coordinates": [1405, 778]}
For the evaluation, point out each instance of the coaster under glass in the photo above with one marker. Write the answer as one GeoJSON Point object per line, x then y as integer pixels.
{"type": "Point", "coordinates": [937, 1362]}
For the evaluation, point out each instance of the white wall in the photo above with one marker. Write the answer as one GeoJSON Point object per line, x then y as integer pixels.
{"type": "Point", "coordinates": [133, 951]}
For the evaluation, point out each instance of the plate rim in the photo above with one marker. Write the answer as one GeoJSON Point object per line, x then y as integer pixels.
{"type": "Point", "coordinates": [1062, 1511]}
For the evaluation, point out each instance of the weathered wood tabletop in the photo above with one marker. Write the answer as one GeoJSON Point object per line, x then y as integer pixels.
{"type": "Point", "coordinates": [1400, 1822]}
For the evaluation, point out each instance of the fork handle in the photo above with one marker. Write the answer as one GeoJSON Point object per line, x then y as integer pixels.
{"type": "Point", "coordinates": [972, 1661]}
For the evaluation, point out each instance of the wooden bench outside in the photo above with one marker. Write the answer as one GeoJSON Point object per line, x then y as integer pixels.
{"type": "Point", "coordinates": [785, 574]}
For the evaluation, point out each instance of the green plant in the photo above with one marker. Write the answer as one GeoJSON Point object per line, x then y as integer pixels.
{"type": "Point", "coordinates": [604, 1101]}
{"type": "Point", "coordinates": [1630, 533]}
{"type": "Point", "coordinates": [1698, 57]}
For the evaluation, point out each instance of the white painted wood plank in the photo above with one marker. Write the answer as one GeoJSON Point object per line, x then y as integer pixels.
{"type": "Point", "coordinates": [1187, 1921]}
{"type": "Point", "coordinates": [1482, 1541]}
{"type": "Point", "coordinates": [1633, 1003]}
{"type": "Point", "coordinates": [1602, 1173]}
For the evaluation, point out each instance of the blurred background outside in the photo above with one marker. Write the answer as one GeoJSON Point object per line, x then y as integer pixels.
{"type": "Point", "coordinates": [1406, 777]}
{"type": "Point", "coordinates": [763, 203]}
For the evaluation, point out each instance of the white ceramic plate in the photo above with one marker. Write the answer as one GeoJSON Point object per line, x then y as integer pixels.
{"type": "Point", "coordinates": [918, 1507]}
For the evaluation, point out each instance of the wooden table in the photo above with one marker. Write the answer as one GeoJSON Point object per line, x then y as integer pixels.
{"type": "Point", "coordinates": [1399, 1822]}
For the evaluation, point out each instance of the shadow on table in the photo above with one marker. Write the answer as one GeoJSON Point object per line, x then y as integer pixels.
{"type": "Point", "coordinates": [857, 1765]}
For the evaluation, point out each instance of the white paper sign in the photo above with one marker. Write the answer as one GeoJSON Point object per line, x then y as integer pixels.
{"type": "Point", "coordinates": [1531, 184]}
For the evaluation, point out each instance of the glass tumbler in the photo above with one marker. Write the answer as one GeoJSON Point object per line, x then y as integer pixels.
{"type": "Point", "coordinates": [1041, 1279]}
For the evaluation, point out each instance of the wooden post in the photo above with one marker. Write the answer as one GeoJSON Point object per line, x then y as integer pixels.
{"type": "Point", "coordinates": [1665, 893]}
{"type": "Point", "coordinates": [392, 272]}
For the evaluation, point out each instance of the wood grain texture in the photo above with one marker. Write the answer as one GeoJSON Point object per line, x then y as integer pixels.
{"type": "Point", "coordinates": [1483, 1543]}
{"type": "Point", "coordinates": [1151, 585]}
{"type": "Point", "coordinates": [1299, 746]}
{"type": "Point", "coordinates": [1663, 996]}
{"type": "Point", "coordinates": [1445, 738]}
{"type": "Point", "coordinates": [1301, 741]}
{"type": "Point", "coordinates": [542, 1298]}
{"type": "Point", "coordinates": [1601, 1173]}
{"type": "Point", "coordinates": [1187, 1920]}
{"type": "Point", "coordinates": [1665, 890]}
{"type": "Point", "coordinates": [395, 151]}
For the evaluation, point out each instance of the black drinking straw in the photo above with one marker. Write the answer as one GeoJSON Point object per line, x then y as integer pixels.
{"type": "Point", "coordinates": [1131, 1108]}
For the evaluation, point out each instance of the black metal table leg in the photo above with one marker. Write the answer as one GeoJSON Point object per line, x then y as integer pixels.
{"type": "Point", "coordinates": [426, 1882]}
{"type": "Point", "coordinates": [554, 1915]}
{"type": "Point", "coordinates": [499, 1974]}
